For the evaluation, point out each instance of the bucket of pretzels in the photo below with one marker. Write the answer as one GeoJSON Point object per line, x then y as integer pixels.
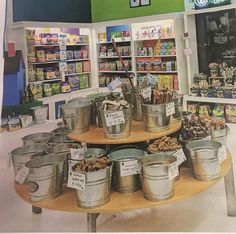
{"type": "Point", "coordinates": [157, 110]}
{"type": "Point", "coordinates": [116, 115]}
{"type": "Point", "coordinates": [92, 180]}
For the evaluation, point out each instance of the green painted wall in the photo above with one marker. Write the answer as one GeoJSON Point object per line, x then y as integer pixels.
{"type": "Point", "coordinates": [105, 10]}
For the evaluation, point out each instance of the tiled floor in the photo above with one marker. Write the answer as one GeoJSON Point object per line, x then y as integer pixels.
{"type": "Point", "coordinates": [205, 212]}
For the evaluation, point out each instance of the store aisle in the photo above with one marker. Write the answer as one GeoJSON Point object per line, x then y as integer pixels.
{"type": "Point", "coordinates": [205, 212]}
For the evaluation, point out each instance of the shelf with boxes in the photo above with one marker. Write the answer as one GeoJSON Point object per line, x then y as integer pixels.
{"type": "Point", "coordinates": [57, 57]}
{"type": "Point", "coordinates": [109, 65]}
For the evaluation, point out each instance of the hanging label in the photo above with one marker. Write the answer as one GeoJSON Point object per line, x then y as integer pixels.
{"type": "Point", "coordinates": [180, 156]}
{"type": "Point", "coordinates": [115, 84]}
{"type": "Point", "coordinates": [222, 153]}
{"type": "Point", "coordinates": [129, 168]}
{"type": "Point", "coordinates": [170, 108]}
{"type": "Point", "coordinates": [22, 174]}
{"type": "Point", "coordinates": [114, 118]}
{"type": "Point", "coordinates": [146, 93]}
{"type": "Point", "coordinates": [173, 170]}
{"type": "Point", "coordinates": [76, 180]}
{"type": "Point", "coordinates": [77, 154]}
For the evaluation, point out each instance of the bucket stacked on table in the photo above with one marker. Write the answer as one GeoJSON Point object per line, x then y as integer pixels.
{"type": "Point", "coordinates": [116, 115]}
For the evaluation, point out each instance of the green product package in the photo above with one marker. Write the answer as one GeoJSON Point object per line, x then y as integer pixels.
{"type": "Point", "coordinates": [56, 88]}
{"type": "Point", "coordinates": [83, 81]}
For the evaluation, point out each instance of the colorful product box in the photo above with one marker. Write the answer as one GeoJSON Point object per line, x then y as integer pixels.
{"type": "Point", "coordinates": [86, 66]}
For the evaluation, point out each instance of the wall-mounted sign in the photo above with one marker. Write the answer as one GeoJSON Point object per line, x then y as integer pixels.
{"type": "Point", "coordinates": [200, 4]}
{"type": "Point", "coordinates": [139, 3]}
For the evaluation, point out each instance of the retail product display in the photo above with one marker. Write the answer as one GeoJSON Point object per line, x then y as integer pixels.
{"type": "Point", "coordinates": [164, 144]}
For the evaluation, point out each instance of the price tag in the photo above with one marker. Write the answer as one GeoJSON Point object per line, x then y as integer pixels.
{"type": "Point", "coordinates": [180, 156]}
{"type": "Point", "coordinates": [129, 168]}
{"type": "Point", "coordinates": [77, 154]}
{"type": "Point", "coordinates": [146, 93]}
{"type": "Point", "coordinates": [173, 170]}
{"type": "Point", "coordinates": [22, 174]}
{"type": "Point", "coordinates": [115, 84]}
{"type": "Point", "coordinates": [76, 180]}
{"type": "Point", "coordinates": [170, 108]}
{"type": "Point", "coordinates": [222, 153]}
{"type": "Point", "coordinates": [114, 118]}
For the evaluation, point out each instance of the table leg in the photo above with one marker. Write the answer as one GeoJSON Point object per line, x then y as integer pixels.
{"type": "Point", "coordinates": [230, 192]}
{"type": "Point", "coordinates": [36, 210]}
{"type": "Point", "coordinates": [91, 222]}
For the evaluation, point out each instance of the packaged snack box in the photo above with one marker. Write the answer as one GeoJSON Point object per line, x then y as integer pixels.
{"type": "Point", "coordinates": [79, 67]}
{"type": "Point", "coordinates": [86, 66]}
{"type": "Point", "coordinates": [230, 113]}
{"type": "Point", "coordinates": [83, 81]}
{"type": "Point", "coordinates": [71, 68]}
{"type": "Point", "coordinates": [74, 82]}
{"type": "Point", "coordinates": [70, 54]}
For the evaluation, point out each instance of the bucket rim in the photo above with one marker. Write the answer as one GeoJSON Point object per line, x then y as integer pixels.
{"type": "Point", "coordinates": [199, 142]}
{"type": "Point", "coordinates": [158, 160]}
{"type": "Point", "coordinates": [43, 145]}
{"type": "Point", "coordinates": [32, 136]}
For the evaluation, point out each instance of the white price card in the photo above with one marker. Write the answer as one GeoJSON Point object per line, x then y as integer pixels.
{"type": "Point", "coordinates": [77, 154]}
{"type": "Point", "coordinates": [76, 180]}
{"type": "Point", "coordinates": [114, 118]}
{"type": "Point", "coordinates": [180, 156]}
{"type": "Point", "coordinates": [173, 170]}
{"type": "Point", "coordinates": [146, 93]}
{"type": "Point", "coordinates": [170, 108]}
{"type": "Point", "coordinates": [22, 174]}
{"type": "Point", "coordinates": [129, 168]}
{"type": "Point", "coordinates": [115, 84]}
{"type": "Point", "coordinates": [222, 153]}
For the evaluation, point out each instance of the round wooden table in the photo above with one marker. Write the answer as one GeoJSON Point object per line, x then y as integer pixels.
{"type": "Point", "coordinates": [138, 134]}
{"type": "Point", "coordinates": [185, 187]}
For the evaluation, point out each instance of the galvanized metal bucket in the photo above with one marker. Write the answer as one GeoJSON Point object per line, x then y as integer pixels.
{"type": "Point", "coordinates": [120, 130]}
{"type": "Point", "coordinates": [53, 141]}
{"type": "Point", "coordinates": [39, 114]}
{"type": "Point", "coordinates": [97, 188]}
{"type": "Point", "coordinates": [154, 117]}
{"type": "Point", "coordinates": [40, 137]}
{"type": "Point", "coordinates": [45, 177]}
{"type": "Point", "coordinates": [59, 131]}
{"type": "Point", "coordinates": [156, 184]}
{"type": "Point", "coordinates": [178, 102]}
{"type": "Point", "coordinates": [76, 116]}
{"type": "Point", "coordinates": [121, 155]}
{"type": "Point", "coordinates": [204, 154]}
{"type": "Point", "coordinates": [23, 154]}
{"type": "Point", "coordinates": [220, 135]}
{"type": "Point", "coordinates": [133, 98]}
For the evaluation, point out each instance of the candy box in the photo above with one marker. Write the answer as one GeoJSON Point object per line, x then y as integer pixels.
{"type": "Point", "coordinates": [79, 67]}
{"type": "Point", "coordinates": [41, 56]}
{"type": "Point", "coordinates": [71, 68]}
{"type": "Point", "coordinates": [102, 81]}
{"type": "Point", "coordinates": [84, 81]}
{"type": "Point", "coordinates": [140, 64]}
{"type": "Point", "coordinates": [49, 55]}
{"type": "Point", "coordinates": [56, 88]}
{"type": "Point", "coordinates": [74, 82]}
{"type": "Point", "coordinates": [84, 53]}
{"type": "Point", "coordinates": [78, 54]}
{"type": "Point", "coordinates": [14, 124]}
{"type": "Point", "coordinates": [47, 90]}
{"type": "Point", "coordinates": [86, 66]}
{"type": "Point", "coordinates": [70, 54]}
{"type": "Point", "coordinates": [65, 87]}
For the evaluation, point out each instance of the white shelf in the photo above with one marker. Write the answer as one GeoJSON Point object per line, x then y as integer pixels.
{"type": "Point", "coordinates": [109, 42]}
{"type": "Point", "coordinates": [47, 62]}
{"type": "Point", "coordinates": [45, 81]}
{"type": "Point", "coordinates": [46, 45]}
{"type": "Point", "coordinates": [74, 60]}
{"type": "Point", "coordinates": [78, 73]}
{"type": "Point", "coordinates": [156, 56]}
{"type": "Point", "coordinates": [114, 57]}
{"type": "Point", "coordinates": [210, 99]}
{"type": "Point", "coordinates": [82, 44]}
{"type": "Point", "coordinates": [157, 72]}
{"type": "Point", "coordinates": [114, 71]}
{"type": "Point", "coordinates": [212, 9]}
{"type": "Point", "coordinates": [153, 39]}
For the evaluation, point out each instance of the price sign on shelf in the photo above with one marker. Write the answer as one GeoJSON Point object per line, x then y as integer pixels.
{"type": "Point", "coordinates": [76, 180]}
{"type": "Point", "coordinates": [22, 174]}
{"type": "Point", "coordinates": [222, 153]}
{"type": "Point", "coordinates": [170, 108]}
{"type": "Point", "coordinates": [77, 154]}
{"type": "Point", "coordinates": [114, 118]}
{"type": "Point", "coordinates": [173, 170]}
{"type": "Point", "coordinates": [146, 93]}
{"type": "Point", "coordinates": [180, 156]}
{"type": "Point", "coordinates": [129, 168]}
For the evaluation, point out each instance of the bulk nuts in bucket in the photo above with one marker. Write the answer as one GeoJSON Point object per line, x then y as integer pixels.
{"type": "Point", "coordinates": [45, 177]}
{"type": "Point", "coordinates": [204, 154]}
{"type": "Point", "coordinates": [116, 114]}
{"type": "Point", "coordinates": [76, 116]}
{"type": "Point", "coordinates": [23, 154]}
{"type": "Point", "coordinates": [158, 173]}
{"type": "Point", "coordinates": [92, 181]}
{"type": "Point", "coordinates": [40, 137]}
{"type": "Point", "coordinates": [126, 169]}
